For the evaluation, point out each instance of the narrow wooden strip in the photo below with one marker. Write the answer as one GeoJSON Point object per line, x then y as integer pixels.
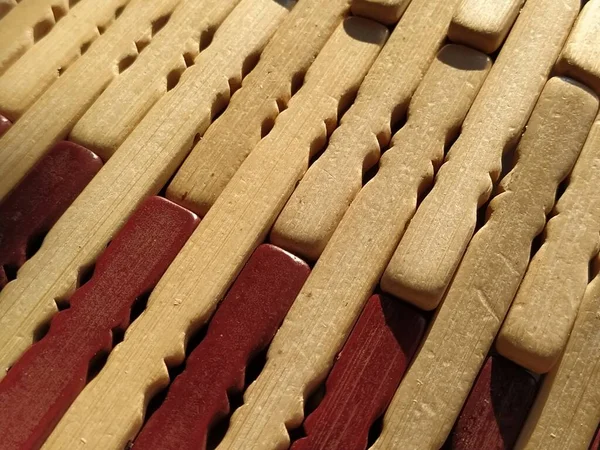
{"type": "Point", "coordinates": [120, 108]}
{"type": "Point", "coordinates": [40, 387]}
{"type": "Point", "coordinates": [4, 124]}
{"type": "Point", "coordinates": [387, 12]}
{"type": "Point", "coordinates": [51, 118]}
{"type": "Point", "coordinates": [23, 83]}
{"type": "Point", "coordinates": [243, 325]}
{"type": "Point", "coordinates": [25, 24]}
{"type": "Point", "coordinates": [438, 234]}
{"type": "Point", "coordinates": [596, 443]}
{"type": "Point", "coordinates": [266, 90]}
{"type": "Point", "coordinates": [318, 204]}
{"type": "Point", "coordinates": [496, 408]}
{"type": "Point", "coordinates": [6, 6]}
{"type": "Point", "coordinates": [484, 25]}
{"type": "Point", "coordinates": [140, 168]}
{"type": "Point", "coordinates": [304, 348]}
{"type": "Point", "coordinates": [365, 376]}
{"type": "Point", "coordinates": [435, 387]}
{"type": "Point", "coordinates": [38, 202]}
{"type": "Point", "coordinates": [110, 411]}
{"type": "Point", "coordinates": [580, 58]}
{"type": "Point", "coordinates": [566, 412]}
{"type": "Point", "coordinates": [538, 324]}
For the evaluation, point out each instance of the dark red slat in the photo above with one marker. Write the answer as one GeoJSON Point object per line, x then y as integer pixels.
{"type": "Point", "coordinates": [40, 387]}
{"type": "Point", "coordinates": [4, 125]}
{"type": "Point", "coordinates": [40, 199]}
{"type": "Point", "coordinates": [596, 442]}
{"type": "Point", "coordinates": [365, 377]}
{"type": "Point", "coordinates": [243, 325]}
{"type": "Point", "coordinates": [496, 408]}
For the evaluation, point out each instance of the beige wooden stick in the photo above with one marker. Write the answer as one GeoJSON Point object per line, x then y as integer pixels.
{"type": "Point", "coordinates": [385, 11]}
{"type": "Point", "coordinates": [484, 25]}
{"type": "Point", "coordinates": [322, 315]}
{"type": "Point", "coordinates": [6, 6]}
{"type": "Point", "coordinates": [139, 168]}
{"type": "Point", "coordinates": [438, 234]}
{"type": "Point", "coordinates": [580, 58]}
{"type": "Point", "coordinates": [266, 90]}
{"type": "Point", "coordinates": [433, 390]}
{"type": "Point", "coordinates": [566, 412]}
{"type": "Point", "coordinates": [318, 204]}
{"type": "Point", "coordinates": [27, 79]}
{"type": "Point", "coordinates": [25, 24]}
{"type": "Point", "coordinates": [119, 109]}
{"type": "Point", "coordinates": [111, 408]}
{"type": "Point", "coordinates": [538, 324]}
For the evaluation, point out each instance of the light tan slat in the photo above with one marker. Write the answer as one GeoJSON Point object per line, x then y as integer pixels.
{"type": "Point", "coordinates": [385, 11]}
{"type": "Point", "coordinates": [139, 168]}
{"type": "Point", "coordinates": [110, 410]}
{"type": "Point", "coordinates": [24, 24]}
{"type": "Point", "coordinates": [433, 390]}
{"type": "Point", "coordinates": [538, 324]}
{"type": "Point", "coordinates": [318, 204]}
{"type": "Point", "coordinates": [566, 412]}
{"type": "Point", "coordinates": [484, 24]}
{"type": "Point", "coordinates": [119, 109]}
{"type": "Point", "coordinates": [6, 6]}
{"type": "Point", "coordinates": [23, 83]}
{"type": "Point", "coordinates": [438, 234]}
{"type": "Point", "coordinates": [58, 109]}
{"type": "Point", "coordinates": [215, 159]}
{"type": "Point", "coordinates": [580, 58]}
{"type": "Point", "coordinates": [344, 277]}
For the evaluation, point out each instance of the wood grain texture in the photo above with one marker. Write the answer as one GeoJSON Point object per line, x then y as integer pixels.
{"type": "Point", "coordinates": [387, 12]}
{"type": "Point", "coordinates": [580, 58]}
{"type": "Point", "coordinates": [566, 412]}
{"type": "Point", "coordinates": [496, 408]}
{"type": "Point", "coordinates": [65, 101]}
{"type": "Point", "coordinates": [110, 411]}
{"type": "Point", "coordinates": [44, 195]}
{"type": "Point", "coordinates": [25, 24]}
{"type": "Point", "coordinates": [538, 324]}
{"type": "Point", "coordinates": [315, 329]}
{"type": "Point", "coordinates": [266, 91]}
{"type": "Point", "coordinates": [365, 376]}
{"type": "Point", "coordinates": [40, 387]}
{"type": "Point", "coordinates": [140, 168]}
{"type": "Point", "coordinates": [438, 234]}
{"type": "Point", "coordinates": [121, 107]}
{"type": "Point", "coordinates": [244, 324]}
{"type": "Point", "coordinates": [484, 25]}
{"type": "Point", "coordinates": [436, 385]}
{"type": "Point", "coordinates": [318, 204]}
{"type": "Point", "coordinates": [27, 79]}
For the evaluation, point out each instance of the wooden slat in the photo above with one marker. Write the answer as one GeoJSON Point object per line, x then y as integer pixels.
{"type": "Point", "coordinates": [385, 11]}
{"type": "Point", "coordinates": [322, 316]}
{"type": "Point", "coordinates": [580, 58]}
{"type": "Point", "coordinates": [243, 325]}
{"type": "Point", "coordinates": [6, 6]}
{"type": "Point", "coordinates": [140, 168]}
{"type": "Point", "coordinates": [120, 108]}
{"type": "Point", "coordinates": [266, 90]}
{"type": "Point", "coordinates": [40, 387]}
{"type": "Point", "coordinates": [110, 410]}
{"type": "Point", "coordinates": [484, 25]}
{"type": "Point", "coordinates": [537, 327]}
{"type": "Point", "coordinates": [23, 83]}
{"type": "Point", "coordinates": [438, 234]}
{"type": "Point", "coordinates": [566, 412]}
{"type": "Point", "coordinates": [435, 387]}
{"type": "Point", "coordinates": [51, 118]}
{"type": "Point", "coordinates": [318, 204]}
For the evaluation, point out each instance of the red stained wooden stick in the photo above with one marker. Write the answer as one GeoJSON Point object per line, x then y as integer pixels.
{"type": "Point", "coordinates": [243, 325]}
{"type": "Point", "coordinates": [40, 199]}
{"type": "Point", "coordinates": [365, 377]}
{"type": "Point", "coordinates": [496, 408]}
{"type": "Point", "coordinates": [596, 443]}
{"type": "Point", "coordinates": [40, 387]}
{"type": "Point", "coordinates": [4, 125]}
